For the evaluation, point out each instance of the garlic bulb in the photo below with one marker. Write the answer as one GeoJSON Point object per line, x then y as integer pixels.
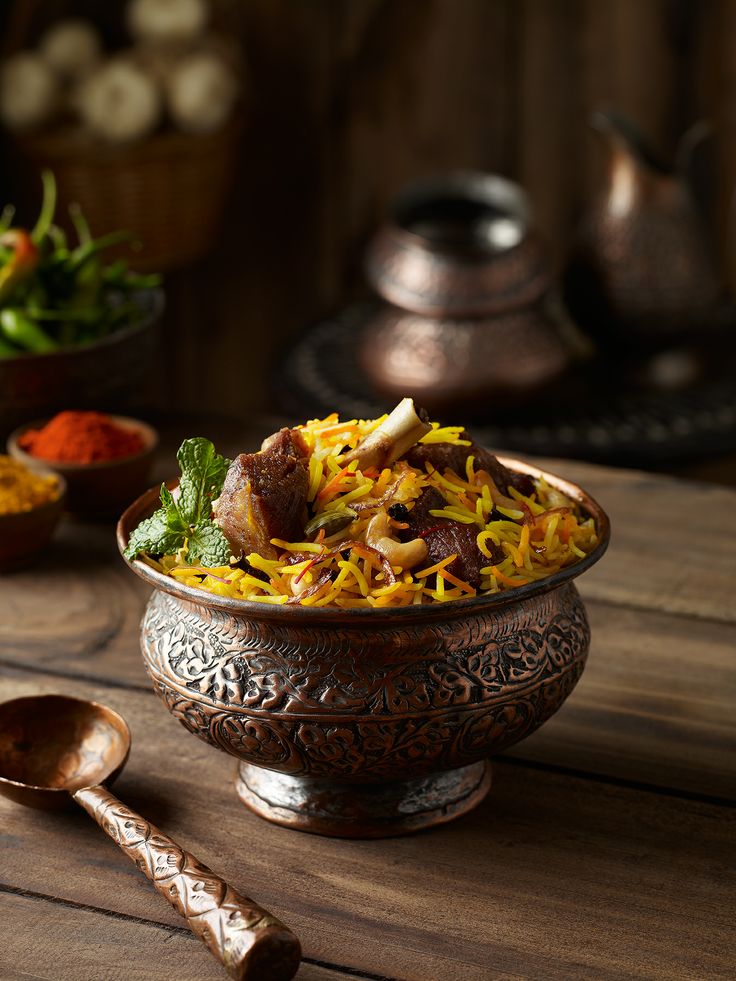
{"type": "Point", "coordinates": [27, 91]}
{"type": "Point", "coordinates": [120, 102]}
{"type": "Point", "coordinates": [201, 93]}
{"type": "Point", "coordinates": [71, 47]}
{"type": "Point", "coordinates": [166, 21]}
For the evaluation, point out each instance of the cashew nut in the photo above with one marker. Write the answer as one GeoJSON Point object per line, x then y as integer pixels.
{"type": "Point", "coordinates": [404, 554]}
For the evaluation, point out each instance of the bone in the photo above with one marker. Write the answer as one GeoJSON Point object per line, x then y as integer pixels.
{"type": "Point", "coordinates": [404, 427]}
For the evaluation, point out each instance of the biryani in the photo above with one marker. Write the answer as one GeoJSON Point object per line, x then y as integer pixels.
{"type": "Point", "coordinates": [394, 511]}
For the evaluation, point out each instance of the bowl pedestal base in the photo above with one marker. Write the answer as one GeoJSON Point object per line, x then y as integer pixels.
{"type": "Point", "coordinates": [345, 809]}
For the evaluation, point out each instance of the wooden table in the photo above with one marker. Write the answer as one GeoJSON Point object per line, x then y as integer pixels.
{"type": "Point", "coordinates": [605, 849]}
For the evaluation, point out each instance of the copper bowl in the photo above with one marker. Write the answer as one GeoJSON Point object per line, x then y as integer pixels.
{"type": "Point", "coordinates": [101, 375]}
{"type": "Point", "coordinates": [365, 723]}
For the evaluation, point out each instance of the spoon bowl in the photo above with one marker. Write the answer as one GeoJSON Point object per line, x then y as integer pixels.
{"type": "Point", "coordinates": [53, 745]}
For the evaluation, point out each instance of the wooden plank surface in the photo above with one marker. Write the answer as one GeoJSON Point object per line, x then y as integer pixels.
{"type": "Point", "coordinates": [75, 942]}
{"type": "Point", "coordinates": [667, 545]}
{"type": "Point", "coordinates": [655, 705]}
{"type": "Point", "coordinates": [552, 876]}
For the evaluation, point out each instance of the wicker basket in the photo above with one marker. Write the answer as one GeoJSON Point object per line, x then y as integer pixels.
{"type": "Point", "coordinates": [169, 190]}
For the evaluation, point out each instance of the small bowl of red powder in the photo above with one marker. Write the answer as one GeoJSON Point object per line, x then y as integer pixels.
{"type": "Point", "coordinates": [105, 460]}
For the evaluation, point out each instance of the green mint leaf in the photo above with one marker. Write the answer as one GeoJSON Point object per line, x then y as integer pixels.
{"type": "Point", "coordinates": [167, 498]}
{"type": "Point", "coordinates": [208, 546]}
{"type": "Point", "coordinates": [154, 536]}
{"type": "Point", "coordinates": [174, 520]}
{"type": "Point", "coordinates": [202, 475]}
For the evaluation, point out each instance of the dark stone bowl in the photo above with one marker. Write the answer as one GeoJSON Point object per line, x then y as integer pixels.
{"type": "Point", "coordinates": [102, 375]}
{"type": "Point", "coordinates": [366, 723]}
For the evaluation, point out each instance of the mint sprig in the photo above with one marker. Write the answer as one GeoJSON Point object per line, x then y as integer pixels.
{"type": "Point", "coordinates": [202, 475]}
{"type": "Point", "coordinates": [187, 520]}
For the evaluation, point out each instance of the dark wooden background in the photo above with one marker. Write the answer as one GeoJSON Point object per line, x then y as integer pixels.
{"type": "Point", "coordinates": [349, 99]}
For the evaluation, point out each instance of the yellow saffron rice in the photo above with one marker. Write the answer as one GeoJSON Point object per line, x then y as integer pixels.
{"type": "Point", "coordinates": [537, 535]}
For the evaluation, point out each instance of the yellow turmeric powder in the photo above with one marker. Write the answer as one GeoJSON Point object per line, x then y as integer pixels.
{"type": "Point", "coordinates": [22, 489]}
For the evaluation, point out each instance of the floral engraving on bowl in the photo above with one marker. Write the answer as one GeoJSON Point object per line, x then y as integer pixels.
{"type": "Point", "coordinates": [240, 663]}
{"type": "Point", "coordinates": [357, 702]}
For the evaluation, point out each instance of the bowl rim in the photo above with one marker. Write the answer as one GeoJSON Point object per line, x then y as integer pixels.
{"type": "Point", "coordinates": [251, 609]}
{"type": "Point", "coordinates": [466, 184]}
{"type": "Point", "coordinates": [150, 436]}
{"type": "Point", "coordinates": [151, 313]}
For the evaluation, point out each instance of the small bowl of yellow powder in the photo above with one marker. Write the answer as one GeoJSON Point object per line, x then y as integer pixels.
{"type": "Point", "coordinates": [31, 501]}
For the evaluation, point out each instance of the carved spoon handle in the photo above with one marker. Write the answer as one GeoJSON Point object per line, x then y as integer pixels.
{"type": "Point", "coordinates": [250, 942]}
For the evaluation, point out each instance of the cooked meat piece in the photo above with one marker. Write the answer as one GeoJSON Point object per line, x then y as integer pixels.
{"type": "Point", "coordinates": [441, 455]}
{"type": "Point", "coordinates": [288, 441]}
{"type": "Point", "coordinates": [265, 495]}
{"type": "Point", "coordinates": [444, 455]}
{"type": "Point", "coordinates": [419, 518]}
{"type": "Point", "coordinates": [501, 476]}
{"type": "Point", "coordinates": [445, 537]}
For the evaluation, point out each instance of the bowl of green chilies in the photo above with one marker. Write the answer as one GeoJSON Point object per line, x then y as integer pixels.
{"type": "Point", "coordinates": [76, 328]}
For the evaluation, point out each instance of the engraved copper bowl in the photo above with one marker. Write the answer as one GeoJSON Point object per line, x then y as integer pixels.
{"type": "Point", "coordinates": [365, 723]}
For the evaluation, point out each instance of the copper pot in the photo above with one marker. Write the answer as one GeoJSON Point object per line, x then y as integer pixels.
{"type": "Point", "coordinates": [365, 723]}
{"type": "Point", "coordinates": [641, 268]}
{"type": "Point", "coordinates": [466, 279]}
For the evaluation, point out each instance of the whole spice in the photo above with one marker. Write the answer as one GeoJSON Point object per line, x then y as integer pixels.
{"type": "Point", "coordinates": [23, 490]}
{"type": "Point", "coordinates": [81, 437]}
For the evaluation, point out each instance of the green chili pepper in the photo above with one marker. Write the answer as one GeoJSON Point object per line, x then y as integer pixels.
{"type": "Point", "coordinates": [80, 224]}
{"type": "Point", "coordinates": [83, 253]}
{"type": "Point", "coordinates": [57, 238]}
{"type": "Point", "coordinates": [7, 350]}
{"type": "Point", "coordinates": [25, 333]}
{"type": "Point", "coordinates": [89, 316]}
{"type": "Point", "coordinates": [48, 207]}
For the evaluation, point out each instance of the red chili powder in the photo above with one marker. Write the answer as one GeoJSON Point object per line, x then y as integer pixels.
{"type": "Point", "coordinates": [81, 437]}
